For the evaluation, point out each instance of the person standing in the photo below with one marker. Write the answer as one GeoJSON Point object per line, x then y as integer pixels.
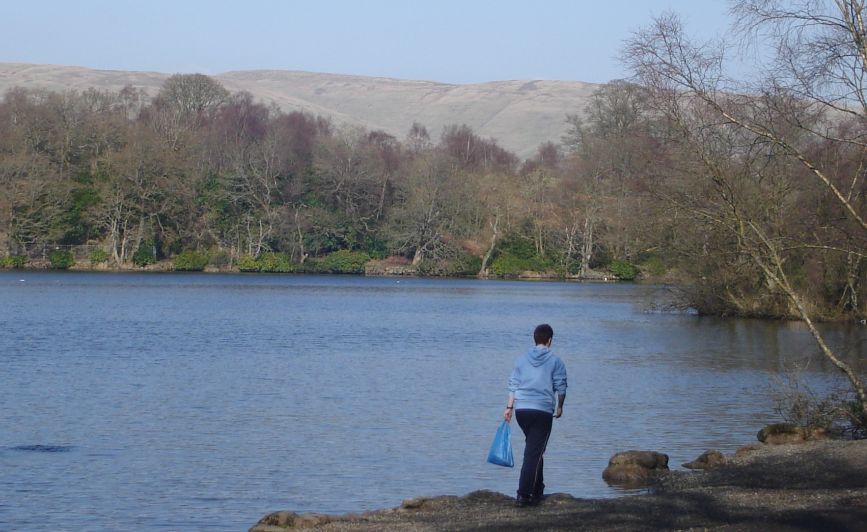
{"type": "Point", "coordinates": [537, 391]}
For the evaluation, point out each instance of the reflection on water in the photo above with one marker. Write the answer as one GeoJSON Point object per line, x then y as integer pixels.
{"type": "Point", "coordinates": [174, 397]}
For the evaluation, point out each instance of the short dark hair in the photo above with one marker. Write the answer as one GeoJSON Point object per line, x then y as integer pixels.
{"type": "Point", "coordinates": [543, 333]}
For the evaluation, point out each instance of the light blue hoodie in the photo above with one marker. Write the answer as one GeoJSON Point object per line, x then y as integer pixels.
{"type": "Point", "coordinates": [537, 376]}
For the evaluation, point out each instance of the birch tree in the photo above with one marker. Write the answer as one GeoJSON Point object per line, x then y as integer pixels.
{"type": "Point", "coordinates": [810, 101]}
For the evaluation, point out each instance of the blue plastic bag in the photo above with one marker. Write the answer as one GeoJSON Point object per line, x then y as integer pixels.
{"type": "Point", "coordinates": [501, 447]}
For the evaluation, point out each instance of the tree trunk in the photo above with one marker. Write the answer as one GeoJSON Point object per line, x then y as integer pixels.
{"type": "Point", "coordinates": [483, 271]}
{"type": "Point", "coordinates": [850, 294]}
{"type": "Point", "coordinates": [775, 270]}
{"type": "Point", "coordinates": [140, 233]}
{"type": "Point", "coordinates": [586, 246]}
{"type": "Point", "coordinates": [113, 241]}
{"type": "Point", "coordinates": [381, 204]}
{"type": "Point", "coordinates": [571, 232]}
{"type": "Point", "coordinates": [540, 244]}
{"type": "Point", "coordinates": [302, 255]}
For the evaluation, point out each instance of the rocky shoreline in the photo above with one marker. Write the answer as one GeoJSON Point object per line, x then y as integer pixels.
{"type": "Point", "coordinates": [372, 269]}
{"type": "Point", "coordinates": [814, 485]}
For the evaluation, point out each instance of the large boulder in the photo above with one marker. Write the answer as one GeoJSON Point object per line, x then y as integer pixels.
{"type": "Point", "coordinates": [786, 433]}
{"type": "Point", "coordinates": [707, 460]}
{"type": "Point", "coordinates": [635, 468]}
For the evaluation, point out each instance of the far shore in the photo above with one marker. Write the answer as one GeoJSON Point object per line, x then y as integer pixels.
{"type": "Point", "coordinates": [817, 485]}
{"type": "Point", "coordinates": [167, 267]}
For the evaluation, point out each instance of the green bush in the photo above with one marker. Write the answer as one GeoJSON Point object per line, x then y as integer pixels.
{"type": "Point", "coordinates": [144, 255]}
{"type": "Point", "coordinates": [465, 264]}
{"type": "Point", "coordinates": [623, 270]}
{"type": "Point", "coordinates": [565, 265]}
{"type": "Point", "coordinates": [374, 246]}
{"type": "Point", "coordinates": [457, 267]}
{"type": "Point", "coordinates": [516, 254]}
{"type": "Point", "coordinates": [248, 263]}
{"type": "Point", "coordinates": [98, 256]}
{"type": "Point", "coordinates": [342, 261]}
{"type": "Point", "coordinates": [13, 261]}
{"type": "Point", "coordinates": [653, 265]}
{"type": "Point", "coordinates": [275, 263]}
{"type": "Point", "coordinates": [190, 261]}
{"type": "Point", "coordinates": [508, 265]}
{"type": "Point", "coordinates": [61, 259]}
{"type": "Point", "coordinates": [220, 259]}
{"type": "Point", "coordinates": [426, 267]}
{"type": "Point", "coordinates": [519, 247]}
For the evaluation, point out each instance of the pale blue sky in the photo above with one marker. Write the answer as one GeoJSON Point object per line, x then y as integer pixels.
{"type": "Point", "coordinates": [442, 40]}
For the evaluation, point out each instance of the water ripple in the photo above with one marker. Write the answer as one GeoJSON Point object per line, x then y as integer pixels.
{"type": "Point", "coordinates": [233, 395]}
{"type": "Point", "coordinates": [43, 448]}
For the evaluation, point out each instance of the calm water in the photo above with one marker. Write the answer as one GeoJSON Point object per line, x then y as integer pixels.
{"type": "Point", "coordinates": [169, 402]}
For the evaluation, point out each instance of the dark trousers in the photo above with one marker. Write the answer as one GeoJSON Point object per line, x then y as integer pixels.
{"type": "Point", "coordinates": [536, 425]}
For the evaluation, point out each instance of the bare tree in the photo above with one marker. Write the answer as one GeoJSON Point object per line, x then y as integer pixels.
{"type": "Point", "coordinates": [498, 202]}
{"type": "Point", "coordinates": [182, 104]}
{"type": "Point", "coordinates": [794, 114]}
{"type": "Point", "coordinates": [422, 217]}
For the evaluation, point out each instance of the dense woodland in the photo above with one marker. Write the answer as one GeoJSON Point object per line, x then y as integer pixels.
{"type": "Point", "coordinates": [196, 169]}
{"type": "Point", "coordinates": [742, 194]}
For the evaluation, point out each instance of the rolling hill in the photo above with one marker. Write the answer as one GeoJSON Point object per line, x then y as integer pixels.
{"type": "Point", "coordinates": [520, 114]}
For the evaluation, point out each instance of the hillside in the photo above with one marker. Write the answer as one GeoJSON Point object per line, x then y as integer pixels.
{"type": "Point", "coordinates": [520, 114]}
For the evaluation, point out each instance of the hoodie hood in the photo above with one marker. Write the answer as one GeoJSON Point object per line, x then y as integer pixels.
{"type": "Point", "coordinates": [538, 355]}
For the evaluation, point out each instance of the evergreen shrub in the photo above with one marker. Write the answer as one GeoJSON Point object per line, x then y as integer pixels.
{"type": "Point", "coordinates": [508, 265]}
{"type": "Point", "coordinates": [342, 261]}
{"type": "Point", "coordinates": [375, 247]}
{"type": "Point", "coordinates": [460, 266]}
{"type": "Point", "coordinates": [653, 265]}
{"type": "Point", "coordinates": [190, 261]}
{"type": "Point", "coordinates": [427, 267]}
{"type": "Point", "coordinates": [98, 256]}
{"type": "Point", "coordinates": [516, 255]}
{"type": "Point", "coordinates": [144, 255]}
{"type": "Point", "coordinates": [61, 259]}
{"type": "Point", "coordinates": [248, 263]}
{"type": "Point", "coordinates": [13, 261]}
{"type": "Point", "coordinates": [623, 270]}
{"type": "Point", "coordinates": [275, 263]}
{"type": "Point", "coordinates": [220, 259]}
{"type": "Point", "coordinates": [465, 264]}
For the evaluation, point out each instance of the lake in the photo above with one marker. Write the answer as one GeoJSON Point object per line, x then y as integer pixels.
{"type": "Point", "coordinates": [195, 401]}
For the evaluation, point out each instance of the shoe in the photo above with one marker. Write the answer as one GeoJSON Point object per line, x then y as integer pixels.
{"type": "Point", "coordinates": [522, 502]}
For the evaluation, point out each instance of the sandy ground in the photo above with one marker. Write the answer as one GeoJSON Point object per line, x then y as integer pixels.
{"type": "Point", "coordinates": [810, 486]}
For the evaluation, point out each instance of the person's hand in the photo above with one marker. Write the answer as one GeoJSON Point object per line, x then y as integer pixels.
{"type": "Point", "coordinates": [559, 412]}
{"type": "Point", "coordinates": [507, 415]}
